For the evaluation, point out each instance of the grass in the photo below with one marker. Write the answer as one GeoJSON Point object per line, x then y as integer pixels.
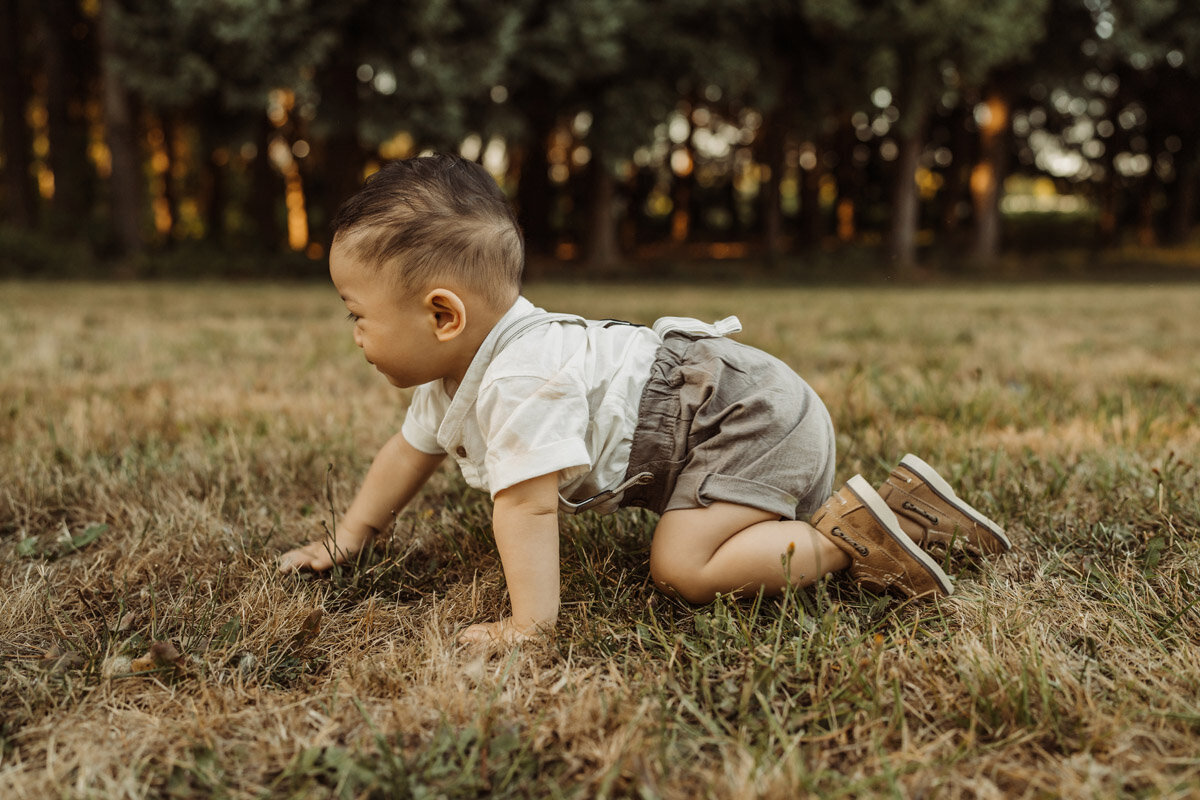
{"type": "Point", "coordinates": [160, 444]}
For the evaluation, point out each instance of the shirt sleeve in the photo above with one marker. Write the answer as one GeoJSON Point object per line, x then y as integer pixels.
{"type": "Point", "coordinates": [533, 427]}
{"type": "Point", "coordinates": [424, 417]}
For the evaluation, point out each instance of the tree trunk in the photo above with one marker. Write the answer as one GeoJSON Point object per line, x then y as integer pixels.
{"type": "Point", "coordinates": [849, 183]}
{"type": "Point", "coordinates": [603, 252]}
{"type": "Point", "coordinates": [1183, 205]}
{"type": "Point", "coordinates": [535, 194]}
{"type": "Point", "coordinates": [644, 183]}
{"type": "Point", "coordinates": [210, 122]}
{"type": "Point", "coordinates": [344, 158]}
{"type": "Point", "coordinates": [809, 223]}
{"type": "Point", "coordinates": [683, 197]}
{"type": "Point", "coordinates": [1147, 236]}
{"type": "Point", "coordinates": [125, 182]}
{"type": "Point", "coordinates": [1110, 210]}
{"type": "Point", "coordinates": [905, 204]}
{"type": "Point", "coordinates": [1108, 194]}
{"type": "Point", "coordinates": [772, 211]}
{"type": "Point", "coordinates": [212, 204]}
{"type": "Point", "coordinates": [266, 190]}
{"type": "Point", "coordinates": [19, 195]}
{"type": "Point", "coordinates": [67, 66]}
{"type": "Point", "coordinates": [170, 195]}
{"type": "Point", "coordinates": [987, 180]}
{"type": "Point", "coordinates": [958, 176]}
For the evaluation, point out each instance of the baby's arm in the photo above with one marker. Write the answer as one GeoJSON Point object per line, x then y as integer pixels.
{"type": "Point", "coordinates": [395, 476]}
{"type": "Point", "coordinates": [525, 523]}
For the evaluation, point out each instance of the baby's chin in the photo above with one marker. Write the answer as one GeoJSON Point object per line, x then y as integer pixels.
{"type": "Point", "coordinates": [399, 384]}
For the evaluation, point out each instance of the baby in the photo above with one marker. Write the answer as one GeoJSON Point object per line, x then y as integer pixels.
{"type": "Point", "coordinates": [551, 412]}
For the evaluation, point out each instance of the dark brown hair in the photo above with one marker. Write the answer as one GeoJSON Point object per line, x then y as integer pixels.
{"type": "Point", "coordinates": [435, 218]}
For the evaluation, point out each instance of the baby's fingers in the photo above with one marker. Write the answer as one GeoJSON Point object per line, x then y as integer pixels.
{"type": "Point", "coordinates": [291, 561]}
{"type": "Point", "coordinates": [313, 556]}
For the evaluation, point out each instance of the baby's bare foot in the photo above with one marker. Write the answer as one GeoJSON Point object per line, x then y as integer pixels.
{"type": "Point", "coordinates": [503, 631]}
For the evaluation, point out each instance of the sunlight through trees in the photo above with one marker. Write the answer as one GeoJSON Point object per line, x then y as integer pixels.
{"type": "Point", "coordinates": [621, 128]}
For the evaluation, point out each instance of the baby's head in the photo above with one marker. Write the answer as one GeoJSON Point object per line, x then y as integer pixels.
{"type": "Point", "coordinates": [433, 221]}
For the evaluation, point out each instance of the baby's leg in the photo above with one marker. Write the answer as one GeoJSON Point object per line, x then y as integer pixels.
{"type": "Point", "coordinates": [733, 549]}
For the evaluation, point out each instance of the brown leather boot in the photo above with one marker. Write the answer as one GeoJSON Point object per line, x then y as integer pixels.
{"type": "Point", "coordinates": [882, 557]}
{"type": "Point", "coordinates": [934, 516]}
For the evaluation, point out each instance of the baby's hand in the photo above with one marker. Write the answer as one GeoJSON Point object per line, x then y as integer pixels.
{"type": "Point", "coordinates": [504, 631]}
{"type": "Point", "coordinates": [324, 553]}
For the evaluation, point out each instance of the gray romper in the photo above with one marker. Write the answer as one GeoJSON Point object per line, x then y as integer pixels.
{"type": "Point", "coordinates": [722, 421]}
{"type": "Point", "coordinates": [717, 421]}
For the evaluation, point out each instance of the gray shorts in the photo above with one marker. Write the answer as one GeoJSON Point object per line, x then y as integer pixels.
{"type": "Point", "coordinates": [721, 421]}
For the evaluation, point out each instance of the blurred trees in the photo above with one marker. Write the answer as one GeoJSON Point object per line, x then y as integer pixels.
{"type": "Point", "coordinates": [929, 49]}
{"type": "Point", "coordinates": [210, 75]}
{"type": "Point", "coordinates": [619, 127]}
{"type": "Point", "coordinates": [20, 207]}
{"type": "Point", "coordinates": [817, 82]}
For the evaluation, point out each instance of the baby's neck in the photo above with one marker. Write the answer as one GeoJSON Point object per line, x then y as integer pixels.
{"type": "Point", "coordinates": [480, 324]}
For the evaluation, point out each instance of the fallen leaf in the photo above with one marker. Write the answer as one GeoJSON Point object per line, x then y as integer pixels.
{"type": "Point", "coordinates": [164, 654]}
{"type": "Point", "coordinates": [58, 659]}
{"type": "Point", "coordinates": [143, 664]}
{"type": "Point", "coordinates": [308, 629]}
{"type": "Point", "coordinates": [161, 655]}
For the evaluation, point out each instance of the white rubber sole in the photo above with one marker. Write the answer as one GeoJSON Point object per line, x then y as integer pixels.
{"type": "Point", "coordinates": [943, 490]}
{"type": "Point", "coordinates": [885, 517]}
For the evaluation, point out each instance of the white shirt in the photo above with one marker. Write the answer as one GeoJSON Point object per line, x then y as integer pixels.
{"type": "Point", "coordinates": [561, 397]}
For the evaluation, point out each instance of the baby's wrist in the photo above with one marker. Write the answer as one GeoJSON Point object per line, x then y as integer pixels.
{"type": "Point", "coordinates": [355, 531]}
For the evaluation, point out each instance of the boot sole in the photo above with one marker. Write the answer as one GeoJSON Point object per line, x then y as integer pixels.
{"type": "Point", "coordinates": [942, 489]}
{"type": "Point", "coordinates": [885, 517]}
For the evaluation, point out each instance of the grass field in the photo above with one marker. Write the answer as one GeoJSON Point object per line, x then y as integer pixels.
{"type": "Point", "coordinates": [160, 445]}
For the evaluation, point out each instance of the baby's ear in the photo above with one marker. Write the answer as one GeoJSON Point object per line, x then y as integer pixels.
{"type": "Point", "coordinates": [448, 313]}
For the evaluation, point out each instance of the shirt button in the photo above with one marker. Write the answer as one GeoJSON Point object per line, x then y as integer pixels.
{"type": "Point", "coordinates": [461, 451]}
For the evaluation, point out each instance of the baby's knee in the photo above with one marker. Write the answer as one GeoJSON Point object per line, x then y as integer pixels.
{"type": "Point", "coordinates": [678, 580]}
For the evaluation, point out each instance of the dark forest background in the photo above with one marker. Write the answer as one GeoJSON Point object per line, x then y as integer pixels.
{"type": "Point", "coordinates": [183, 137]}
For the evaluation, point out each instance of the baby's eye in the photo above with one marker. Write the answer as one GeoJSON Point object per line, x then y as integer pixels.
{"type": "Point", "coordinates": [353, 317]}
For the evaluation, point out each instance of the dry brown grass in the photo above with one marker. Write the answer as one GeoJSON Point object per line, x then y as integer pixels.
{"type": "Point", "coordinates": [160, 444]}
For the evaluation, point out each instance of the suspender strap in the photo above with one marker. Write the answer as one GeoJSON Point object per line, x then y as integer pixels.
{"type": "Point", "coordinates": [529, 322]}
